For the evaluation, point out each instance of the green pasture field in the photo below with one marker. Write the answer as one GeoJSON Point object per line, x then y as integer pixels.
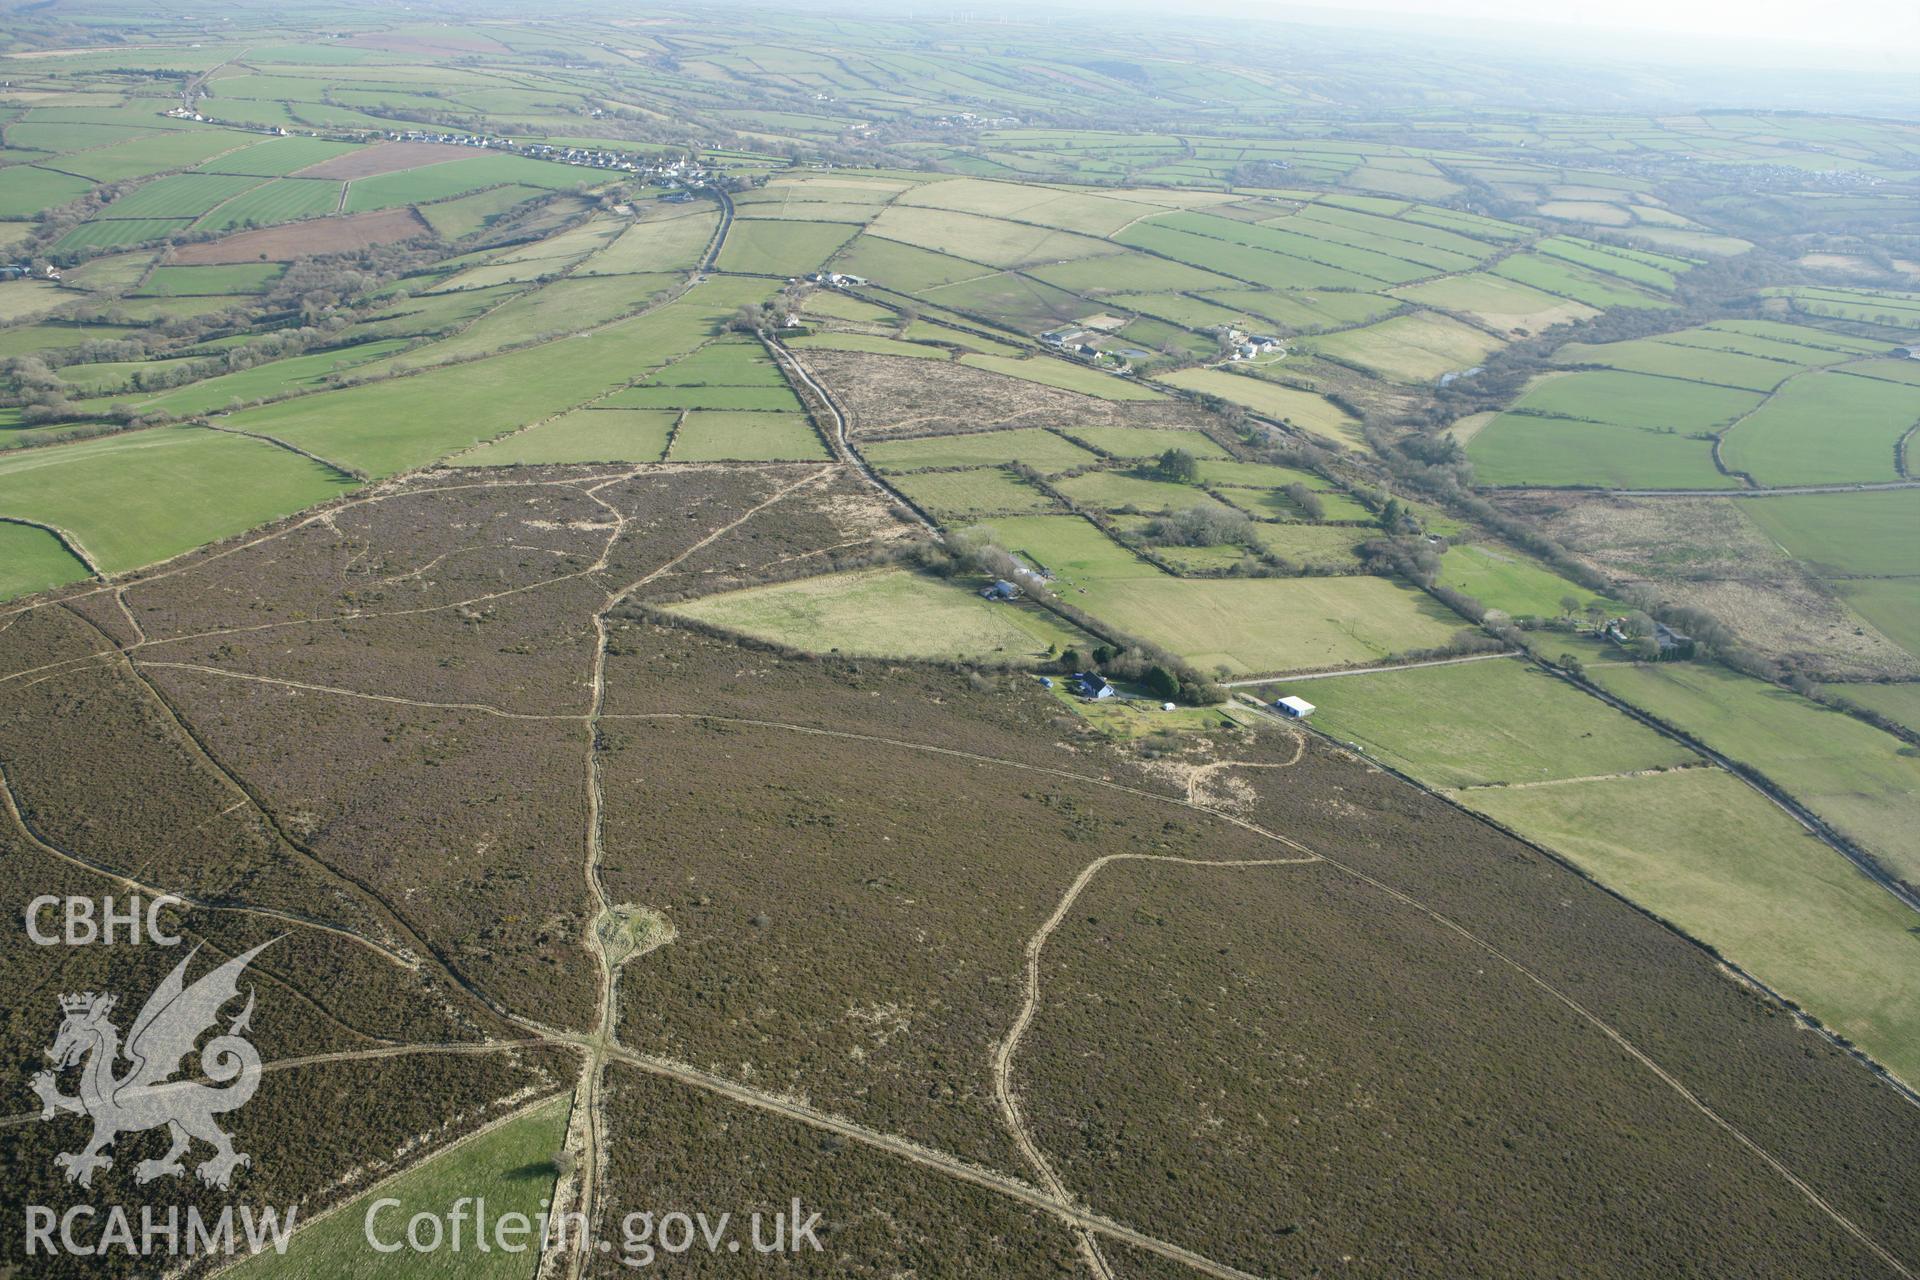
{"type": "Point", "coordinates": [183, 195]}
{"type": "Point", "coordinates": [1902, 370]}
{"type": "Point", "coordinates": [1710, 338]}
{"type": "Point", "coordinates": [1275, 505]}
{"type": "Point", "coordinates": [1308, 312]}
{"type": "Point", "coordinates": [107, 376]}
{"type": "Point", "coordinates": [710, 435]}
{"type": "Point", "coordinates": [888, 613]}
{"type": "Point", "coordinates": [1302, 409]}
{"type": "Point", "coordinates": [705, 397]}
{"type": "Point", "coordinates": [1567, 280]}
{"type": "Point", "coordinates": [1410, 348]}
{"type": "Point", "coordinates": [1636, 400]}
{"type": "Point", "coordinates": [1797, 334]}
{"type": "Point", "coordinates": [1188, 312]}
{"type": "Point", "coordinates": [1242, 262]}
{"type": "Point", "coordinates": [1431, 257]}
{"type": "Point", "coordinates": [1509, 582]}
{"type": "Point", "coordinates": [452, 178]}
{"type": "Point", "coordinates": [841, 306]}
{"type": "Point", "coordinates": [1515, 449]}
{"type": "Point", "coordinates": [510, 1165]}
{"type": "Point", "coordinates": [1502, 303]}
{"type": "Point", "coordinates": [1845, 534]}
{"type": "Point", "coordinates": [1702, 850]}
{"type": "Point", "coordinates": [1897, 702]}
{"type": "Point", "coordinates": [1650, 355]}
{"type": "Point", "coordinates": [62, 136]}
{"type": "Point", "coordinates": [657, 244]}
{"type": "Point", "coordinates": [583, 435]}
{"type": "Point", "coordinates": [992, 241]}
{"type": "Point", "coordinates": [1112, 490]}
{"type": "Point", "coordinates": [562, 306]}
{"type": "Point", "coordinates": [277, 157]}
{"type": "Point", "coordinates": [280, 200]}
{"type": "Point", "coordinates": [1430, 246]}
{"type": "Point", "coordinates": [275, 378]}
{"type": "Point", "coordinates": [429, 313]}
{"type": "Point", "coordinates": [33, 560]}
{"type": "Point", "coordinates": [782, 248]}
{"type": "Point", "coordinates": [1010, 300]}
{"type": "Point", "coordinates": [114, 233]}
{"type": "Point", "coordinates": [25, 299]}
{"type": "Point", "coordinates": [1298, 240]}
{"type": "Point", "coordinates": [1081, 211]}
{"type": "Point", "coordinates": [1479, 724]}
{"type": "Point", "coordinates": [30, 339]}
{"type": "Point", "coordinates": [1653, 271]}
{"type": "Point", "coordinates": [1065, 374]}
{"type": "Point", "coordinates": [1136, 272]}
{"type": "Point", "coordinates": [1824, 428]}
{"type": "Point", "coordinates": [161, 310]}
{"type": "Point", "coordinates": [725, 362]}
{"type": "Point", "coordinates": [185, 282]}
{"type": "Point", "coordinates": [966, 495]}
{"type": "Point", "coordinates": [1850, 773]}
{"type": "Point", "coordinates": [461, 216]}
{"type": "Point", "coordinates": [484, 275]}
{"type": "Point", "coordinates": [141, 156]}
{"type": "Point", "coordinates": [1258, 475]}
{"type": "Point", "coordinates": [931, 331]}
{"type": "Point", "coordinates": [1313, 545]}
{"type": "Point", "coordinates": [1198, 560]}
{"type": "Point", "coordinates": [1892, 605]}
{"type": "Point", "coordinates": [1869, 306]}
{"type": "Point", "coordinates": [869, 343]}
{"type": "Point", "coordinates": [27, 190]}
{"type": "Point", "coordinates": [1251, 625]}
{"type": "Point", "coordinates": [142, 496]}
{"type": "Point", "coordinates": [900, 267]}
{"type": "Point", "coordinates": [1072, 548]}
{"type": "Point", "coordinates": [1146, 442]}
{"type": "Point", "coordinates": [1040, 449]}
{"type": "Point", "coordinates": [1246, 625]}
{"type": "Point", "coordinates": [405, 422]}
{"type": "Point", "coordinates": [853, 212]}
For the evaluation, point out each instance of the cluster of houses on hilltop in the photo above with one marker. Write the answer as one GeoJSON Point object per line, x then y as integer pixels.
{"type": "Point", "coordinates": [689, 173]}
{"type": "Point", "coordinates": [969, 120]}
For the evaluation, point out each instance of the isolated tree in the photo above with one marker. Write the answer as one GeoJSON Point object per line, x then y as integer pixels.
{"type": "Point", "coordinates": [1306, 501]}
{"type": "Point", "coordinates": [1569, 605]}
{"type": "Point", "coordinates": [1177, 465]}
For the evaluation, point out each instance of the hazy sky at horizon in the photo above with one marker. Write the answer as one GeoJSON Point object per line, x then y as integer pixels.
{"type": "Point", "coordinates": [1881, 29]}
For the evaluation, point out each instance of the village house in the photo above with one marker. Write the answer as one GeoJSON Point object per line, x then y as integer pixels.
{"type": "Point", "coordinates": [1090, 685]}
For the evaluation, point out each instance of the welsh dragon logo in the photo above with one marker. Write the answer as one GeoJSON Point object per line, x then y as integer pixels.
{"type": "Point", "coordinates": [146, 1096]}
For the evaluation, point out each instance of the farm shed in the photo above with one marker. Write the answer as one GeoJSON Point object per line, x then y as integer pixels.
{"type": "Point", "coordinates": [1293, 708]}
